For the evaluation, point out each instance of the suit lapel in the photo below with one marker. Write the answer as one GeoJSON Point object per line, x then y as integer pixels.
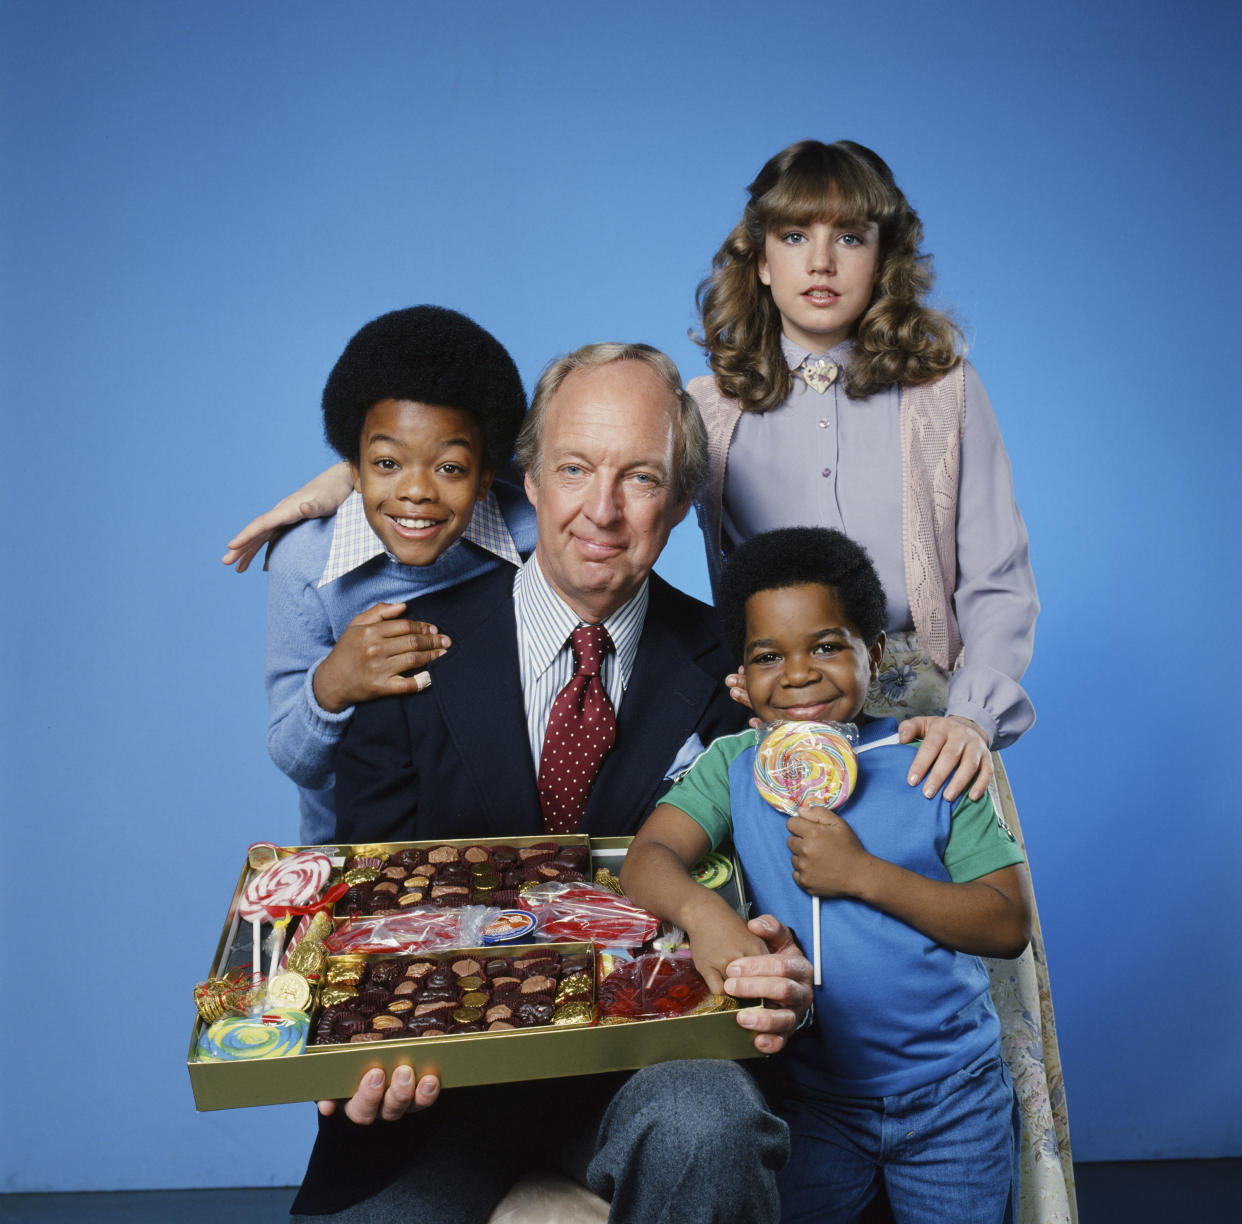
{"type": "Point", "coordinates": [479, 693]}
{"type": "Point", "coordinates": [664, 701]}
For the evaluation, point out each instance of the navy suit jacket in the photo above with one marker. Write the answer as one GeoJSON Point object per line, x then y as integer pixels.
{"type": "Point", "coordinates": [455, 760]}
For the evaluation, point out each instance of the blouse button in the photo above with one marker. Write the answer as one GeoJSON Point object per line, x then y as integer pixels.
{"type": "Point", "coordinates": [824, 423]}
{"type": "Point", "coordinates": [827, 471]}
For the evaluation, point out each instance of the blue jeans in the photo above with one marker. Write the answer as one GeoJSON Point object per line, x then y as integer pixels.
{"type": "Point", "coordinates": [946, 1152]}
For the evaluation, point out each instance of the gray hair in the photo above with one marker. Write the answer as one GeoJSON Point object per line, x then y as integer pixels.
{"type": "Point", "coordinates": [690, 447]}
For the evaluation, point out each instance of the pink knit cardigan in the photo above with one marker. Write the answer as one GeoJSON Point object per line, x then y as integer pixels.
{"type": "Point", "coordinates": [932, 416]}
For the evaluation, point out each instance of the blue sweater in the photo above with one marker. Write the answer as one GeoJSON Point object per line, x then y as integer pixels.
{"type": "Point", "coordinates": [304, 621]}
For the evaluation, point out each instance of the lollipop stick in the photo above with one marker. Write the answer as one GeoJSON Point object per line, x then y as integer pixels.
{"type": "Point", "coordinates": [278, 944]}
{"type": "Point", "coordinates": [815, 940]}
{"type": "Point", "coordinates": [256, 936]}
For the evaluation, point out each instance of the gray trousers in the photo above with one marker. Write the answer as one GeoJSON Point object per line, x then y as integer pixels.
{"type": "Point", "coordinates": [680, 1142]}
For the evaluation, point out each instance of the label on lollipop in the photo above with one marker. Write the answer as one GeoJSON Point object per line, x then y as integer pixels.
{"type": "Point", "coordinates": [806, 763]}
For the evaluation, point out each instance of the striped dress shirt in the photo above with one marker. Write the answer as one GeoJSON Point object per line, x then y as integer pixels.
{"type": "Point", "coordinates": [546, 661]}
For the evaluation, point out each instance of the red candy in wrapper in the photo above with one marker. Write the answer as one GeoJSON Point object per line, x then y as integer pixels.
{"type": "Point", "coordinates": [652, 986]}
{"type": "Point", "coordinates": [584, 913]}
{"type": "Point", "coordinates": [426, 929]}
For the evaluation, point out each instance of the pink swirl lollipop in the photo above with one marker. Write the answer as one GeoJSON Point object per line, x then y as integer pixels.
{"type": "Point", "coordinates": [805, 762]}
{"type": "Point", "coordinates": [295, 880]}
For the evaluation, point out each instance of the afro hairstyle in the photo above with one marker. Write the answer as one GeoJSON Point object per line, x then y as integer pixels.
{"type": "Point", "coordinates": [429, 355]}
{"type": "Point", "coordinates": [798, 556]}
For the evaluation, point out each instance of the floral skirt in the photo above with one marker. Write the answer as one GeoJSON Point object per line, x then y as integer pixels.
{"type": "Point", "coordinates": [910, 683]}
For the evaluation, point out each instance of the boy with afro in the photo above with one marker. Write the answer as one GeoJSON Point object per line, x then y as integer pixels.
{"type": "Point", "coordinates": [424, 406]}
{"type": "Point", "coordinates": [900, 1078]}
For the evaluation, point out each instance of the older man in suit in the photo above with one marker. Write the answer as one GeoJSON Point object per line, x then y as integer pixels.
{"type": "Point", "coordinates": [613, 450]}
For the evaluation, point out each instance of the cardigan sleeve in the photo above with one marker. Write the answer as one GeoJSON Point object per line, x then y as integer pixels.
{"type": "Point", "coordinates": [995, 599]}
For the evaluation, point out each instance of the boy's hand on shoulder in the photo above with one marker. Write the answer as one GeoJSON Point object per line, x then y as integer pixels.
{"type": "Point", "coordinates": [318, 497]}
{"type": "Point", "coordinates": [369, 659]}
{"type": "Point", "coordinates": [827, 857]}
{"type": "Point", "coordinates": [951, 745]}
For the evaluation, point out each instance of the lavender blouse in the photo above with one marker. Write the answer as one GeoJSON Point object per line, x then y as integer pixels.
{"type": "Point", "coordinates": [831, 461]}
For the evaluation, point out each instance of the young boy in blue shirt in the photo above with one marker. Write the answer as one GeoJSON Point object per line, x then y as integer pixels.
{"type": "Point", "coordinates": [424, 405]}
{"type": "Point", "coordinates": [900, 1077]}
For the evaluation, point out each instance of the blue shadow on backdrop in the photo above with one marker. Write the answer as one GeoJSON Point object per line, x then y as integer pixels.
{"type": "Point", "coordinates": [202, 202]}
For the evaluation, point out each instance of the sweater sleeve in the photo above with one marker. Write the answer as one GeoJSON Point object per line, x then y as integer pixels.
{"type": "Point", "coordinates": [995, 599]}
{"type": "Point", "coordinates": [301, 736]}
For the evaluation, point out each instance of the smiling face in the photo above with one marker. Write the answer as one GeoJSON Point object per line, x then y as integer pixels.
{"type": "Point", "coordinates": [821, 275]}
{"type": "Point", "coordinates": [420, 473]}
{"type": "Point", "coordinates": [804, 661]}
{"type": "Point", "coordinates": [605, 498]}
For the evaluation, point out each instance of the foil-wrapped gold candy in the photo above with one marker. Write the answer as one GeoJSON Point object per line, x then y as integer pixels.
{"type": "Point", "coordinates": [336, 994]}
{"type": "Point", "coordinates": [574, 988]}
{"type": "Point", "coordinates": [290, 989]}
{"type": "Point", "coordinates": [605, 879]}
{"type": "Point", "coordinates": [715, 1003]}
{"type": "Point", "coordinates": [361, 875]}
{"type": "Point", "coordinates": [572, 1013]}
{"type": "Point", "coordinates": [342, 974]}
{"type": "Point", "coordinates": [308, 958]}
{"type": "Point", "coordinates": [230, 995]}
{"type": "Point", "coordinates": [320, 926]}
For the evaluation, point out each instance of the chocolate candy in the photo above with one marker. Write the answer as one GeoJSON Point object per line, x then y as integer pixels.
{"type": "Point", "coordinates": [531, 1012]}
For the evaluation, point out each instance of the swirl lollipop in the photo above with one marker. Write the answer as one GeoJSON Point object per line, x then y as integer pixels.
{"type": "Point", "coordinates": [277, 890]}
{"type": "Point", "coordinates": [804, 762]}
{"type": "Point", "coordinates": [276, 1034]}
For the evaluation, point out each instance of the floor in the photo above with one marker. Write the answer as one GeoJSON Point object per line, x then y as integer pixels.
{"type": "Point", "coordinates": [1159, 1192]}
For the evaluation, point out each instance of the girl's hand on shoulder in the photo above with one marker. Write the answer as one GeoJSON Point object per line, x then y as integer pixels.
{"type": "Point", "coordinates": [320, 496]}
{"type": "Point", "coordinates": [827, 858]}
{"type": "Point", "coordinates": [951, 745]}
{"type": "Point", "coordinates": [735, 682]}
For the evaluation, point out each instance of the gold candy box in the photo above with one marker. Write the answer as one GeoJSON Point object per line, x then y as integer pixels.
{"type": "Point", "coordinates": [323, 1071]}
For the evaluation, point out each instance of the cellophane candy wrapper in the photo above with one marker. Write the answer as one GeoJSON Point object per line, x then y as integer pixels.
{"type": "Point", "coordinates": [427, 929]}
{"type": "Point", "coordinates": [586, 913]}
{"type": "Point", "coordinates": [653, 985]}
{"type": "Point", "coordinates": [806, 762]}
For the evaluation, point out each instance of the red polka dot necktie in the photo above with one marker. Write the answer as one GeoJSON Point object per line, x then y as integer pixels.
{"type": "Point", "coordinates": [582, 729]}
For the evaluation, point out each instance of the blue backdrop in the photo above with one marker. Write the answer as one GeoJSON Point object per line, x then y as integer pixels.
{"type": "Point", "coordinates": [201, 203]}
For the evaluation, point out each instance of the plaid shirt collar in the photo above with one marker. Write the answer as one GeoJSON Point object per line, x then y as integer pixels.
{"type": "Point", "coordinates": [354, 543]}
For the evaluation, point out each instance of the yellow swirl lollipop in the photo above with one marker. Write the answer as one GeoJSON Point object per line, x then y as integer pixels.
{"type": "Point", "coordinates": [806, 762]}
